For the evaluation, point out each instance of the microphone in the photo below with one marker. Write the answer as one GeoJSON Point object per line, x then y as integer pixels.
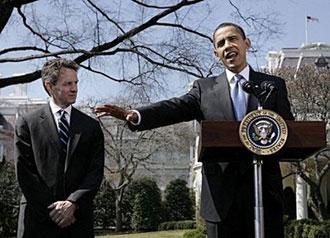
{"type": "Point", "coordinates": [253, 88]}
{"type": "Point", "coordinates": [268, 86]}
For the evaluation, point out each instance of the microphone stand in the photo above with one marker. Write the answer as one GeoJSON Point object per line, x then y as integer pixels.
{"type": "Point", "coordinates": [259, 225]}
{"type": "Point", "coordinates": [258, 199]}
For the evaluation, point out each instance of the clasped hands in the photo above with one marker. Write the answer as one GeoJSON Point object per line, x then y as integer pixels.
{"type": "Point", "coordinates": [117, 112]}
{"type": "Point", "coordinates": [62, 213]}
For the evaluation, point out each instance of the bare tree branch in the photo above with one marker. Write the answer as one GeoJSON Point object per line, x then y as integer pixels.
{"type": "Point", "coordinates": [152, 6]}
{"type": "Point", "coordinates": [186, 29]}
{"type": "Point", "coordinates": [22, 48]}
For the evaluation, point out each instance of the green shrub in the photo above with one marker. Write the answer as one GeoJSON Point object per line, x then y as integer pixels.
{"type": "Point", "coordinates": [307, 229]}
{"type": "Point", "coordinates": [9, 200]}
{"type": "Point", "coordinates": [105, 207]}
{"type": "Point", "coordinates": [178, 202]}
{"type": "Point", "coordinates": [318, 231]}
{"type": "Point", "coordinates": [146, 207]}
{"type": "Point", "coordinates": [177, 225]}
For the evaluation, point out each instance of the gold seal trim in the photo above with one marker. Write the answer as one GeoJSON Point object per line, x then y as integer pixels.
{"type": "Point", "coordinates": [263, 132]}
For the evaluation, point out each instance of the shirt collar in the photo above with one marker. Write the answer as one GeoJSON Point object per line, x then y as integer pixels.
{"type": "Point", "coordinates": [55, 108]}
{"type": "Point", "coordinates": [245, 73]}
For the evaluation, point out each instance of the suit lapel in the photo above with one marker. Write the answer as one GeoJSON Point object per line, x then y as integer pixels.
{"type": "Point", "coordinates": [75, 133]}
{"type": "Point", "coordinates": [47, 121]}
{"type": "Point", "coordinates": [225, 101]}
{"type": "Point", "coordinates": [253, 101]}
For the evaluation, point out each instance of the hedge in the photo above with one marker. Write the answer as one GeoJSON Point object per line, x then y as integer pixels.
{"type": "Point", "coordinates": [307, 228]}
{"type": "Point", "coordinates": [177, 225]}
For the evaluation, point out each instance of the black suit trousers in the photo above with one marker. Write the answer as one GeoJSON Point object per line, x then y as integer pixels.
{"type": "Point", "coordinates": [239, 223]}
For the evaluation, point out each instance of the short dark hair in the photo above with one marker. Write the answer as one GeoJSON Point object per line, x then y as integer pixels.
{"type": "Point", "coordinates": [51, 69]}
{"type": "Point", "coordinates": [225, 24]}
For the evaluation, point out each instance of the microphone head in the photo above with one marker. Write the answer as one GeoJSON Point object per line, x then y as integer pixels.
{"type": "Point", "coordinates": [268, 86]}
{"type": "Point", "coordinates": [252, 88]}
{"type": "Point", "coordinates": [247, 87]}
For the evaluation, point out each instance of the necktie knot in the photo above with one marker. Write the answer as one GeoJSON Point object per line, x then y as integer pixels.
{"type": "Point", "coordinates": [239, 79]}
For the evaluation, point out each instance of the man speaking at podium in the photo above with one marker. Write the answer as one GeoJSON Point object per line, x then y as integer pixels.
{"type": "Point", "coordinates": [227, 202]}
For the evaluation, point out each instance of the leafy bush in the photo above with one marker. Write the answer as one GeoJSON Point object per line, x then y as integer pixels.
{"type": "Point", "coordinates": [145, 200]}
{"type": "Point", "coordinates": [177, 225]}
{"type": "Point", "coordinates": [105, 206]}
{"type": "Point", "coordinates": [307, 228]}
{"type": "Point", "coordinates": [9, 200]}
{"type": "Point", "coordinates": [178, 201]}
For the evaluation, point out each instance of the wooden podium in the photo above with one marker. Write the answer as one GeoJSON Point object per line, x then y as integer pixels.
{"type": "Point", "coordinates": [220, 141]}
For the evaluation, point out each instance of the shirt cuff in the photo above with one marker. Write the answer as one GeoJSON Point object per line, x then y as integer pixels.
{"type": "Point", "coordinates": [139, 118]}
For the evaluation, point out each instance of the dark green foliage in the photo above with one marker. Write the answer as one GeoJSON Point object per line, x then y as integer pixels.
{"type": "Point", "coordinates": [144, 198]}
{"type": "Point", "coordinates": [9, 200]}
{"type": "Point", "coordinates": [307, 228]}
{"type": "Point", "coordinates": [177, 225]}
{"type": "Point", "coordinates": [105, 208]}
{"type": "Point", "coordinates": [178, 201]}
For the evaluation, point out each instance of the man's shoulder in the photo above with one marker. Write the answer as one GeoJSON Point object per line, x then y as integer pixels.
{"type": "Point", "coordinates": [31, 115]}
{"type": "Point", "coordinates": [83, 115]}
{"type": "Point", "coordinates": [267, 76]}
{"type": "Point", "coordinates": [210, 79]}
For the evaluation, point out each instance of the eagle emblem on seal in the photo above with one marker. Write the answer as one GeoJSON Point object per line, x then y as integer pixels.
{"type": "Point", "coordinates": [263, 132]}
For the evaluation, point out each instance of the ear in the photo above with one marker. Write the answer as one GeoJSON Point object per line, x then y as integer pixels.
{"type": "Point", "coordinates": [48, 87]}
{"type": "Point", "coordinates": [247, 43]}
{"type": "Point", "coordinates": [215, 53]}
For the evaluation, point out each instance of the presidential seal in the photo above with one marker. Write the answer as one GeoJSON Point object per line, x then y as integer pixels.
{"type": "Point", "coordinates": [263, 132]}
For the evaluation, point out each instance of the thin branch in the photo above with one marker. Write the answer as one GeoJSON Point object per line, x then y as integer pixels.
{"type": "Point", "coordinates": [152, 6]}
{"type": "Point", "coordinates": [239, 12]}
{"type": "Point", "coordinates": [185, 28]}
{"type": "Point", "coordinates": [106, 16]}
{"type": "Point", "coordinates": [108, 76]}
{"type": "Point", "coordinates": [29, 27]}
{"type": "Point", "coordinates": [22, 48]}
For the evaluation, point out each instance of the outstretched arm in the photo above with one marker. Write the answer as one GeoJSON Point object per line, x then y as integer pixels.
{"type": "Point", "coordinates": [117, 112]}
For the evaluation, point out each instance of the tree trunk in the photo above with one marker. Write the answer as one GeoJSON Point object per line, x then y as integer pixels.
{"type": "Point", "coordinates": [119, 218]}
{"type": "Point", "coordinates": [317, 205]}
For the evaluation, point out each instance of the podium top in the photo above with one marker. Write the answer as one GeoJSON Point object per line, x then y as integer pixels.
{"type": "Point", "coordinates": [219, 141]}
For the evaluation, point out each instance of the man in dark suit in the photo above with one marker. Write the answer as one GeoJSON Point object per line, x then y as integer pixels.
{"type": "Point", "coordinates": [227, 188]}
{"type": "Point", "coordinates": [59, 155]}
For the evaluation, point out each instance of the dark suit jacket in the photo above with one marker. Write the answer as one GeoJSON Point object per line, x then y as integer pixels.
{"type": "Point", "coordinates": [209, 99]}
{"type": "Point", "coordinates": [45, 174]}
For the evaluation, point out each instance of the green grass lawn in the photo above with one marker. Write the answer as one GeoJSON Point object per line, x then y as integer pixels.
{"type": "Point", "coordinates": [158, 234]}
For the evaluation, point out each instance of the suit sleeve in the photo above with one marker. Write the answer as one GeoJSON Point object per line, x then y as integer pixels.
{"type": "Point", "coordinates": [89, 186]}
{"type": "Point", "coordinates": [283, 104]}
{"type": "Point", "coordinates": [168, 112]}
{"type": "Point", "coordinates": [35, 191]}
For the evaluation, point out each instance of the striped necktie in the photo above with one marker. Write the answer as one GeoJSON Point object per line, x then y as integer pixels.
{"type": "Point", "coordinates": [238, 97]}
{"type": "Point", "coordinates": [63, 130]}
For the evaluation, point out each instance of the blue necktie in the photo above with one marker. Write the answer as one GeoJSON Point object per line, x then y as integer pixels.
{"type": "Point", "coordinates": [238, 97]}
{"type": "Point", "coordinates": [63, 130]}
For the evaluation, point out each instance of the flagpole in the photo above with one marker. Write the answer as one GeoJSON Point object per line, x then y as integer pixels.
{"type": "Point", "coordinates": [306, 30]}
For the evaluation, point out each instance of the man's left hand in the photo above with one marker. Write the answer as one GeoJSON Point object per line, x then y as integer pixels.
{"type": "Point", "coordinates": [62, 213]}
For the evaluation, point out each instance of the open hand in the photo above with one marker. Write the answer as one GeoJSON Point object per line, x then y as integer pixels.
{"type": "Point", "coordinates": [117, 112]}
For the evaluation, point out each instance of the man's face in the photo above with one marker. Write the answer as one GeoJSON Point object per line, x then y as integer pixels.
{"type": "Point", "coordinates": [231, 48]}
{"type": "Point", "coordinates": [64, 92]}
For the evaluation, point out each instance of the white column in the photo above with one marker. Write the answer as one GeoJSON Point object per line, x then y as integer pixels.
{"type": "Point", "coordinates": [301, 198]}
